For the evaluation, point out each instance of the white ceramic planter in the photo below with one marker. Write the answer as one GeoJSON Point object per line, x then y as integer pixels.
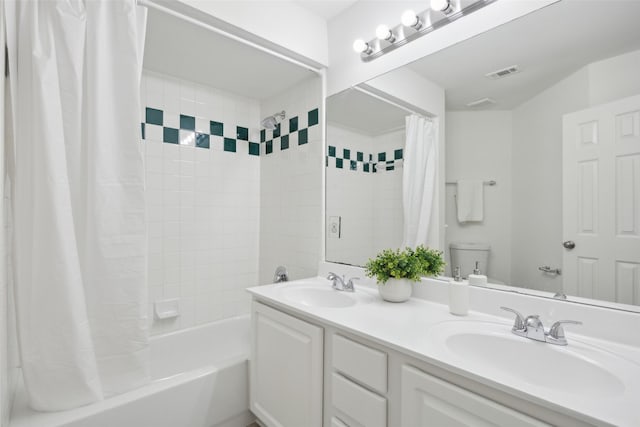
{"type": "Point", "coordinates": [396, 290]}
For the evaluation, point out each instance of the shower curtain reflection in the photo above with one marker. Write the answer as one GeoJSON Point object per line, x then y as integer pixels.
{"type": "Point", "coordinates": [78, 191]}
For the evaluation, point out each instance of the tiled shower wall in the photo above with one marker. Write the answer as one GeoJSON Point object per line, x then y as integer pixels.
{"type": "Point", "coordinates": [291, 184]}
{"type": "Point", "coordinates": [203, 199]}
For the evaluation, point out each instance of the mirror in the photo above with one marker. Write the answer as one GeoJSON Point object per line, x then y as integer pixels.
{"type": "Point", "coordinates": [544, 107]}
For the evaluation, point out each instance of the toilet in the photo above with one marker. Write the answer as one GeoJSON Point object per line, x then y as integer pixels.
{"type": "Point", "coordinates": [465, 255]}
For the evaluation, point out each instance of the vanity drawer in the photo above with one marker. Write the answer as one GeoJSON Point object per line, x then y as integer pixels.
{"type": "Point", "coordinates": [362, 363]}
{"type": "Point", "coordinates": [365, 407]}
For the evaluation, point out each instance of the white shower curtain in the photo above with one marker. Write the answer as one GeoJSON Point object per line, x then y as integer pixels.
{"type": "Point", "coordinates": [419, 190]}
{"type": "Point", "coordinates": [80, 234]}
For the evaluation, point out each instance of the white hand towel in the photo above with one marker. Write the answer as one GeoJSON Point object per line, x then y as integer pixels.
{"type": "Point", "coordinates": [470, 200]}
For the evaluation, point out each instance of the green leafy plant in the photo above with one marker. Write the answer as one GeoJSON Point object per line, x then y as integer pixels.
{"type": "Point", "coordinates": [405, 264]}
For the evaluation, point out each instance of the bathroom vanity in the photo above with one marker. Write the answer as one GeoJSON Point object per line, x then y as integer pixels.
{"type": "Point", "coordinates": [321, 357]}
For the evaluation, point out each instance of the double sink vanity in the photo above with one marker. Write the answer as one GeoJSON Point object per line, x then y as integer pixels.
{"type": "Point", "coordinates": [325, 357]}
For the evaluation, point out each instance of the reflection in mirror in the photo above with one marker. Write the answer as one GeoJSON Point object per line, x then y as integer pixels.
{"type": "Point", "coordinates": [365, 134]}
{"type": "Point", "coordinates": [548, 106]}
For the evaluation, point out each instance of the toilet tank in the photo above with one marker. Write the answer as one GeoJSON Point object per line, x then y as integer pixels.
{"type": "Point", "coordinates": [465, 255]}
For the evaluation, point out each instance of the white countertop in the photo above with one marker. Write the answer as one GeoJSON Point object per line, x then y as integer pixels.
{"type": "Point", "coordinates": [405, 327]}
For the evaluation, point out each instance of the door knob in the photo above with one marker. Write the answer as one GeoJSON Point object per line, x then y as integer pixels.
{"type": "Point", "coordinates": [569, 244]}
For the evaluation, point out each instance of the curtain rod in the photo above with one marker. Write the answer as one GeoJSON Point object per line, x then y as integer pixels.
{"type": "Point", "coordinates": [152, 5]}
{"type": "Point", "coordinates": [388, 101]}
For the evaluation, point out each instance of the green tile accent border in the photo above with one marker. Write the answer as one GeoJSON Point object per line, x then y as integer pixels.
{"type": "Point", "coordinates": [397, 154]}
{"type": "Point", "coordinates": [201, 139]}
{"type": "Point", "coordinates": [254, 149]}
{"type": "Point", "coordinates": [332, 151]}
{"type": "Point", "coordinates": [230, 145]}
{"type": "Point", "coordinates": [312, 117]}
{"type": "Point", "coordinates": [303, 136]}
{"type": "Point", "coordinates": [359, 164]}
{"type": "Point", "coordinates": [170, 136]}
{"type": "Point", "coordinates": [216, 128]}
{"type": "Point", "coordinates": [187, 122]}
{"type": "Point", "coordinates": [153, 116]}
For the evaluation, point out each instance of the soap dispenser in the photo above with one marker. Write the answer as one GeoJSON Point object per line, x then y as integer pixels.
{"type": "Point", "coordinates": [458, 295]}
{"type": "Point", "coordinates": [476, 278]}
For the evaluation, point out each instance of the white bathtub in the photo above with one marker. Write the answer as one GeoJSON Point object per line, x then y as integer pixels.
{"type": "Point", "coordinates": [199, 379]}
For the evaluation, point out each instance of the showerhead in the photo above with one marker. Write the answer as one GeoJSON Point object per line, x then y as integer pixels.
{"type": "Point", "coordinates": [270, 122]}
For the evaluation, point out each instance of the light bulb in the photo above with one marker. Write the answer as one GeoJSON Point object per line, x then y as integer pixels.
{"type": "Point", "coordinates": [360, 46]}
{"type": "Point", "coordinates": [384, 33]}
{"type": "Point", "coordinates": [410, 19]}
{"type": "Point", "coordinates": [443, 6]}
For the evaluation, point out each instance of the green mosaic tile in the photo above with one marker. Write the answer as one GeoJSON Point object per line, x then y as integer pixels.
{"type": "Point", "coordinates": [371, 157]}
{"type": "Point", "coordinates": [338, 163]}
{"type": "Point", "coordinates": [346, 153]}
{"type": "Point", "coordinates": [216, 128]}
{"type": "Point", "coordinates": [293, 124]}
{"type": "Point", "coordinates": [202, 140]}
{"type": "Point", "coordinates": [142, 129]}
{"type": "Point", "coordinates": [242, 134]}
{"type": "Point", "coordinates": [303, 136]}
{"type": "Point", "coordinates": [382, 157]}
{"type": "Point", "coordinates": [360, 156]}
{"type": "Point", "coordinates": [365, 167]}
{"type": "Point", "coordinates": [230, 145]}
{"type": "Point", "coordinates": [170, 135]}
{"type": "Point", "coordinates": [312, 117]}
{"type": "Point", "coordinates": [276, 131]}
{"type": "Point", "coordinates": [269, 147]}
{"type": "Point", "coordinates": [153, 116]}
{"type": "Point", "coordinates": [390, 168]}
{"type": "Point", "coordinates": [284, 142]}
{"type": "Point", "coordinates": [254, 149]}
{"type": "Point", "coordinates": [353, 165]}
{"type": "Point", "coordinates": [332, 151]}
{"type": "Point", "coordinates": [326, 161]}
{"type": "Point", "coordinates": [374, 169]}
{"type": "Point", "coordinates": [263, 135]}
{"type": "Point", "coordinates": [187, 122]}
{"type": "Point", "coordinates": [397, 154]}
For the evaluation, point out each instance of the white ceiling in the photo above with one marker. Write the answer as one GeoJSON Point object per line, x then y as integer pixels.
{"type": "Point", "coordinates": [548, 45]}
{"type": "Point", "coordinates": [187, 51]}
{"type": "Point", "coordinates": [326, 9]}
{"type": "Point", "coordinates": [362, 113]}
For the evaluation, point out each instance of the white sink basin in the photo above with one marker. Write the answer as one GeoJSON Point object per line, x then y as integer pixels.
{"type": "Point", "coordinates": [316, 296]}
{"type": "Point", "coordinates": [491, 349]}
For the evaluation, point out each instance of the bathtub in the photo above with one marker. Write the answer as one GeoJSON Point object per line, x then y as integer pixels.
{"type": "Point", "coordinates": [199, 379]}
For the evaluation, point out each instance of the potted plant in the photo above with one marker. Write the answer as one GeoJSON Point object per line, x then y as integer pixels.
{"type": "Point", "coordinates": [395, 270]}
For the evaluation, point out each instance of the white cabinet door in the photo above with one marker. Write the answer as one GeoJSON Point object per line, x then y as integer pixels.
{"type": "Point", "coordinates": [601, 201]}
{"type": "Point", "coordinates": [431, 402]}
{"type": "Point", "coordinates": [285, 369]}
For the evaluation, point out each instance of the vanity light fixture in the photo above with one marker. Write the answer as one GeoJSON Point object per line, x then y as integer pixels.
{"type": "Point", "coordinates": [383, 32]}
{"type": "Point", "coordinates": [410, 19]}
{"type": "Point", "coordinates": [443, 6]}
{"type": "Point", "coordinates": [362, 46]}
{"type": "Point", "coordinates": [441, 13]}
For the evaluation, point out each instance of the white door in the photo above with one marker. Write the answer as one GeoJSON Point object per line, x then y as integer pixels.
{"type": "Point", "coordinates": [430, 402]}
{"type": "Point", "coordinates": [285, 369]}
{"type": "Point", "coordinates": [601, 202]}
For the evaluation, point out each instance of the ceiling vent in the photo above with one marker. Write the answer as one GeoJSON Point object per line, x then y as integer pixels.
{"type": "Point", "coordinates": [484, 102]}
{"type": "Point", "coordinates": [494, 75]}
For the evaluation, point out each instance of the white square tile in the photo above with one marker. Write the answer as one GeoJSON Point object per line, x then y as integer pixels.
{"type": "Point", "coordinates": [153, 132]}
{"type": "Point", "coordinates": [187, 137]}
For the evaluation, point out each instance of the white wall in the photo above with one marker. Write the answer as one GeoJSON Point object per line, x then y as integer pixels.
{"type": "Point", "coordinates": [203, 204]}
{"type": "Point", "coordinates": [282, 26]}
{"type": "Point", "coordinates": [479, 147]}
{"type": "Point", "coordinates": [291, 186]}
{"type": "Point", "coordinates": [537, 158]}
{"type": "Point", "coordinates": [360, 21]}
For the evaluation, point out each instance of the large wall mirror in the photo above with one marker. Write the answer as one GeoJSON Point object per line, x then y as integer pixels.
{"type": "Point", "coordinates": [543, 116]}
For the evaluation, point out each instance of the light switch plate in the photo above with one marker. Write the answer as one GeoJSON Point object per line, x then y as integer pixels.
{"type": "Point", "coordinates": [334, 225]}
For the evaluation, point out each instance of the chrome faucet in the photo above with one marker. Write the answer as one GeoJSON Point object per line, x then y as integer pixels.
{"type": "Point", "coordinates": [339, 284]}
{"type": "Point", "coordinates": [531, 327]}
